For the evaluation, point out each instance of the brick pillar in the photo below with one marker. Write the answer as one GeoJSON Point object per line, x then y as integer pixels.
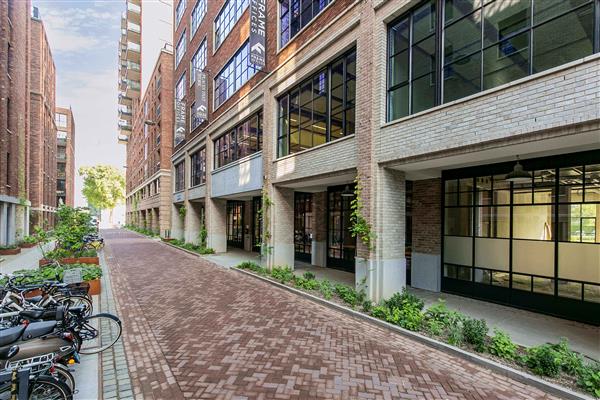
{"type": "Point", "coordinates": [177, 226]}
{"type": "Point", "coordinates": [282, 227]}
{"type": "Point", "coordinates": [319, 241]}
{"type": "Point", "coordinates": [216, 224]}
{"type": "Point", "coordinates": [3, 223]}
{"type": "Point", "coordinates": [156, 220]}
{"type": "Point", "coordinates": [426, 234]}
{"type": "Point", "coordinates": [192, 223]}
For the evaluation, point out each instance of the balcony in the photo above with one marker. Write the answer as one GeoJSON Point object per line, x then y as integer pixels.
{"type": "Point", "coordinates": [125, 113]}
{"type": "Point", "coordinates": [124, 127]}
{"type": "Point", "coordinates": [134, 12]}
{"type": "Point", "coordinates": [124, 100]}
{"type": "Point", "coordinates": [123, 139]}
{"type": "Point", "coordinates": [240, 176]}
{"type": "Point", "coordinates": [133, 52]}
{"type": "Point", "coordinates": [132, 88]}
{"type": "Point", "coordinates": [61, 156]}
{"type": "Point", "coordinates": [61, 175]}
{"type": "Point", "coordinates": [61, 142]}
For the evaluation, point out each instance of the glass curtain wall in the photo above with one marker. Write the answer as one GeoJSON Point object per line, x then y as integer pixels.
{"type": "Point", "coordinates": [235, 224]}
{"type": "Point", "coordinates": [506, 241]}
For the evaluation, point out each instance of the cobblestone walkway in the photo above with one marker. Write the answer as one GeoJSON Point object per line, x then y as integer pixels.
{"type": "Point", "coordinates": [194, 330]}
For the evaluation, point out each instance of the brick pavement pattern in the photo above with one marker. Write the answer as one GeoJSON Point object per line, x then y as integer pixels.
{"type": "Point", "coordinates": [195, 330]}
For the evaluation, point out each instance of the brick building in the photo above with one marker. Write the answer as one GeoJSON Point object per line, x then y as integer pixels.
{"type": "Point", "coordinates": [148, 203]}
{"type": "Point", "coordinates": [42, 126]}
{"type": "Point", "coordinates": [14, 105]}
{"type": "Point", "coordinates": [65, 156]}
{"type": "Point", "coordinates": [429, 104]}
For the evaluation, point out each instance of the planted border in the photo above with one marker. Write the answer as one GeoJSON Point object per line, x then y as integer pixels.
{"type": "Point", "coordinates": [555, 362]}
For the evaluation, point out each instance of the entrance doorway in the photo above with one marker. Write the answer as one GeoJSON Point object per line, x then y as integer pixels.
{"type": "Point", "coordinates": [303, 216]}
{"type": "Point", "coordinates": [341, 246]}
{"type": "Point", "coordinates": [235, 224]}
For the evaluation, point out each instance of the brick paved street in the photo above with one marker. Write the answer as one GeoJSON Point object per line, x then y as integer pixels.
{"type": "Point", "coordinates": [195, 330]}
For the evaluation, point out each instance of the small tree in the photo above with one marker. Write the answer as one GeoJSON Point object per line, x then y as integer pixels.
{"type": "Point", "coordinates": [103, 187]}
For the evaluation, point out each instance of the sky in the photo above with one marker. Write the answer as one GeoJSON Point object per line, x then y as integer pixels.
{"type": "Point", "coordinates": [83, 36]}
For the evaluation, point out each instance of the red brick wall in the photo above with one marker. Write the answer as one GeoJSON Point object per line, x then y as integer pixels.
{"type": "Point", "coordinates": [238, 35]}
{"type": "Point", "coordinates": [427, 218]}
{"type": "Point", "coordinates": [14, 86]}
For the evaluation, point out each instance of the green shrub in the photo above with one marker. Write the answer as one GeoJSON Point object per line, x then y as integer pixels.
{"type": "Point", "coordinates": [411, 317]}
{"type": "Point", "coordinates": [367, 306]}
{"type": "Point", "coordinates": [475, 332]}
{"type": "Point", "coordinates": [251, 266]}
{"type": "Point", "coordinates": [502, 346]}
{"type": "Point", "coordinates": [434, 327]}
{"type": "Point", "coordinates": [309, 275]}
{"type": "Point", "coordinates": [381, 312]}
{"type": "Point", "coordinates": [347, 294]}
{"type": "Point", "coordinates": [206, 250]}
{"type": "Point", "coordinates": [326, 289]}
{"type": "Point", "coordinates": [571, 362]}
{"type": "Point", "coordinates": [30, 240]}
{"type": "Point", "coordinates": [544, 360]}
{"type": "Point", "coordinates": [306, 284]}
{"type": "Point", "coordinates": [400, 300]}
{"type": "Point", "coordinates": [454, 335]}
{"type": "Point", "coordinates": [9, 247]}
{"type": "Point", "coordinates": [589, 379]}
{"type": "Point", "coordinates": [282, 274]}
{"type": "Point", "coordinates": [36, 276]}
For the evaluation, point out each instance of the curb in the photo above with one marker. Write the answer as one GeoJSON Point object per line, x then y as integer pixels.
{"type": "Point", "coordinates": [496, 367]}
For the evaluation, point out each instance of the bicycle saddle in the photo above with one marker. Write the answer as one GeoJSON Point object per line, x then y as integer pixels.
{"type": "Point", "coordinates": [10, 335]}
{"type": "Point", "coordinates": [37, 329]}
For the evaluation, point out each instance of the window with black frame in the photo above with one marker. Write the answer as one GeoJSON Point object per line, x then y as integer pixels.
{"type": "Point", "coordinates": [540, 237]}
{"type": "Point", "coordinates": [485, 44]}
{"type": "Point", "coordinates": [243, 140]}
{"type": "Point", "coordinates": [320, 109]}
{"type": "Point", "coordinates": [180, 176]}
{"type": "Point", "coordinates": [295, 15]}
{"type": "Point", "coordinates": [198, 161]}
{"type": "Point", "coordinates": [234, 75]}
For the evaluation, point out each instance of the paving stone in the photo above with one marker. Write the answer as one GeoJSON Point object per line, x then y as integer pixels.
{"type": "Point", "coordinates": [194, 330]}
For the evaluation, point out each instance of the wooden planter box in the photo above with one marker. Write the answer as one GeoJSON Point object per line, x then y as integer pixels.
{"type": "Point", "coordinates": [28, 245]}
{"type": "Point", "coordinates": [10, 252]}
{"type": "Point", "coordinates": [95, 287]}
{"type": "Point", "coordinates": [73, 260]}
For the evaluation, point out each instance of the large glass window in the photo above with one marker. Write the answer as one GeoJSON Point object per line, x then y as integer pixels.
{"type": "Point", "coordinates": [180, 176]}
{"type": "Point", "coordinates": [180, 49]}
{"type": "Point", "coordinates": [239, 142]}
{"type": "Point", "coordinates": [198, 14]}
{"type": "Point", "coordinates": [234, 75]}
{"type": "Point", "coordinates": [198, 160]}
{"type": "Point", "coordinates": [198, 62]}
{"type": "Point", "coordinates": [228, 16]}
{"type": "Point", "coordinates": [485, 44]}
{"type": "Point", "coordinates": [179, 12]}
{"type": "Point", "coordinates": [540, 236]}
{"type": "Point", "coordinates": [320, 109]}
{"type": "Point", "coordinates": [180, 88]}
{"type": "Point", "coordinates": [295, 15]}
{"type": "Point", "coordinates": [61, 120]}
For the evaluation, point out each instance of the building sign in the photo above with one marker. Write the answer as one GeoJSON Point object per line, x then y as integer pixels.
{"type": "Point", "coordinates": [258, 30]}
{"type": "Point", "coordinates": [179, 121]}
{"type": "Point", "coordinates": [201, 95]}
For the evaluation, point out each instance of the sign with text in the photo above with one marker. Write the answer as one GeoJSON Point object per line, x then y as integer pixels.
{"type": "Point", "coordinates": [72, 276]}
{"type": "Point", "coordinates": [258, 31]}
{"type": "Point", "coordinates": [179, 121]}
{"type": "Point", "coordinates": [201, 95]}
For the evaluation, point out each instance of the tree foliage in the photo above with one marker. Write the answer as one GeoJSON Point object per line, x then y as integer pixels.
{"type": "Point", "coordinates": [103, 186]}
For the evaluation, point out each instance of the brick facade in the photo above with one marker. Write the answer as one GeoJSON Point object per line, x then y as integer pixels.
{"type": "Point", "coordinates": [426, 216]}
{"type": "Point", "coordinates": [148, 178]}
{"type": "Point", "coordinates": [42, 150]}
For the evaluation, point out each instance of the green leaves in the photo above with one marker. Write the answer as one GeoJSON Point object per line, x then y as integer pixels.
{"type": "Point", "coordinates": [358, 223]}
{"type": "Point", "coordinates": [103, 186]}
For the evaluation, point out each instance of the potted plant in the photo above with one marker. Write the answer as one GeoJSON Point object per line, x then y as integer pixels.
{"type": "Point", "coordinates": [9, 250]}
{"type": "Point", "coordinates": [28, 242]}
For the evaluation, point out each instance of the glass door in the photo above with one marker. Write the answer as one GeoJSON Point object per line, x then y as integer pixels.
{"type": "Point", "coordinates": [341, 246]}
{"type": "Point", "coordinates": [303, 226]}
{"type": "Point", "coordinates": [235, 224]}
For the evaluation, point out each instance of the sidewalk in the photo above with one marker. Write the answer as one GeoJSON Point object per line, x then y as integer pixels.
{"type": "Point", "coordinates": [27, 259]}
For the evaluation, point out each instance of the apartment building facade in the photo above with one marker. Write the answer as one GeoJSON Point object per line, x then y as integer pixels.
{"type": "Point", "coordinates": [14, 105]}
{"type": "Point", "coordinates": [471, 128]}
{"type": "Point", "coordinates": [148, 202]}
{"type": "Point", "coordinates": [65, 156]}
{"type": "Point", "coordinates": [42, 126]}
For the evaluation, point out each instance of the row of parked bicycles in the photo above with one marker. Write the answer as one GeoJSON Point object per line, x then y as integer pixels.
{"type": "Point", "coordinates": [43, 336]}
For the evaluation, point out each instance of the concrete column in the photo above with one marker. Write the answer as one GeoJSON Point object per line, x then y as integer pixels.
{"type": "Point", "coordinates": [156, 220]}
{"type": "Point", "coordinates": [282, 226]}
{"type": "Point", "coordinates": [319, 240]}
{"type": "Point", "coordinates": [177, 227]}
{"type": "Point", "coordinates": [192, 222]}
{"type": "Point", "coordinates": [12, 226]}
{"type": "Point", "coordinates": [3, 224]}
{"type": "Point", "coordinates": [386, 272]}
{"type": "Point", "coordinates": [216, 224]}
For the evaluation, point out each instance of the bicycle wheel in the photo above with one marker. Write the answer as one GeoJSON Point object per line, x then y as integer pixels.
{"type": "Point", "coordinates": [49, 388]}
{"type": "Point", "coordinates": [63, 374]}
{"type": "Point", "coordinates": [76, 301]}
{"type": "Point", "coordinates": [99, 332]}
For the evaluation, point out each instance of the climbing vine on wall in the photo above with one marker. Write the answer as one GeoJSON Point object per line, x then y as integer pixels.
{"type": "Point", "coordinates": [359, 225]}
{"type": "Point", "coordinates": [266, 204]}
{"type": "Point", "coordinates": [182, 212]}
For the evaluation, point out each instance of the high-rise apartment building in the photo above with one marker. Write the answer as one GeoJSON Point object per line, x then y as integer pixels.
{"type": "Point", "coordinates": [472, 129]}
{"type": "Point", "coordinates": [148, 183]}
{"type": "Point", "coordinates": [65, 156]}
{"type": "Point", "coordinates": [14, 106]}
{"type": "Point", "coordinates": [42, 126]}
